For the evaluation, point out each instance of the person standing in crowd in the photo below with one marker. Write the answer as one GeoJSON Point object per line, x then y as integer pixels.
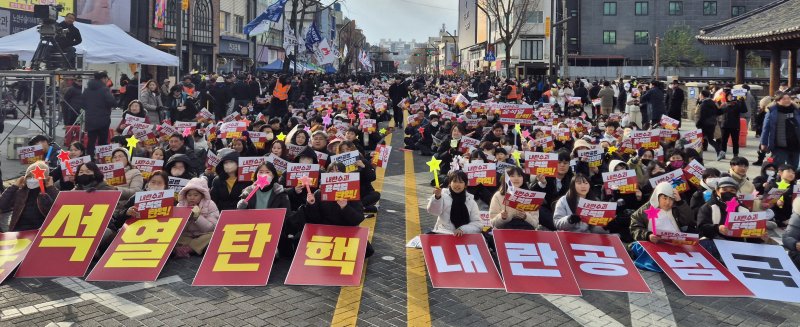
{"type": "Point", "coordinates": [675, 99]}
{"type": "Point", "coordinates": [72, 101]}
{"type": "Point", "coordinates": [151, 99]}
{"type": "Point", "coordinates": [606, 96]}
{"type": "Point", "coordinates": [731, 112]}
{"type": "Point", "coordinates": [279, 105]}
{"type": "Point", "coordinates": [397, 91]}
{"type": "Point", "coordinates": [781, 131]}
{"type": "Point", "coordinates": [98, 102]}
{"type": "Point", "coordinates": [654, 98]}
{"type": "Point", "coordinates": [791, 238]}
{"type": "Point", "coordinates": [708, 120]}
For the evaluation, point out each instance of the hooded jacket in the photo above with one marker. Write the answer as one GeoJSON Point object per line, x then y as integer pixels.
{"type": "Point", "coordinates": [188, 173]}
{"type": "Point", "coordinates": [98, 102]}
{"type": "Point", "coordinates": [209, 214]}
{"type": "Point", "coordinates": [278, 200]}
{"type": "Point", "coordinates": [224, 198]}
{"type": "Point", "coordinates": [681, 215]}
{"type": "Point", "coordinates": [712, 214]}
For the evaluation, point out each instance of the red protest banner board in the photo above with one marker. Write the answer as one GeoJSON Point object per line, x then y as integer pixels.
{"type": "Point", "coordinates": [538, 163]}
{"type": "Point", "coordinates": [645, 139]}
{"type": "Point", "coordinates": [546, 143]}
{"type": "Point", "coordinates": [747, 200]}
{"type": "Point", "coordinates": [460, 262]}
{"type": "Point", "coordinates": [368, 125]}
{"type": "Point", "coordinates": [669, 123]}
{"type": "Point", "coordinates": [534, 262]}
{"type": "Point", "coordinates": [69, 235]}
{"type": "Point", "coordinates": [596, 213]}
{"type": "Point", "coordinates": [113, 173]}
{"type": "Point", "coordinates": [295, 171]}
{"type": "Point", "coordinates": [524, 200]}
{"type": "Point", "coordinates": [623, 181]}
{"type": "Point", "coordinates": [329, 256]}
{"type": "Point", "coordinates": [322, 158]}
{"type": "Point", "coordinates": [294, 150]}
{"type": "Point", "coordinates": [481, 174]}
{"type": "Point", "coordinates": [242, 248]}
{"type": "Point", "coordinates": [467, 144]}
{"type": "Point", "coordinates": [259, 140]}
{"type": "Point", "coordinates": [13, 248]}
{"type": "Point", "coordinates": [248, 167]}
{"type": "Point", "coordinates": [232, 129]}
{"type": "Point", "coordinates": [212, 160]}
{"type": "Point", "coordinates": [694, 271]}
{"type": "Point", "coordinates": [678, 238]}
{"type": "Point", "coordinates": [746, 224]}
{"type": "Point", "coordinates": [668, 135]}
{"type": "Point", "coordinates": [73, 163]}
{"type": "Point", "coordinates": [693, 172]}
{"type": "Point", "coordinates": [515, 114]}
{"type": "Point", "coordinates": [103, 152]}
{"type": "Point", "coordinates": [340, 186]}
{"type": "Point", "coordinates": [380, 158]}
{"type": "Point", "coordinates": [141, 248]}
{"type": "Point", "coordinates": [30, 154]}
{"type": "Point", "coordinates": [147, 166]}
{"type": "Point", "coordinates": [601, 263]}
{"type": "Point", "coordinates": [154, 204]}
{"type": "Point", "coordinates": [674, 177]}
{"type": "Point", "coordinates": [279, 163]}
{"type": "Point", "coordinates": [348, 159]}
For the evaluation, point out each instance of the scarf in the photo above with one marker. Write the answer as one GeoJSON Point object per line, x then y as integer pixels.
{"type": "Point", "coordinates": [459, 215]}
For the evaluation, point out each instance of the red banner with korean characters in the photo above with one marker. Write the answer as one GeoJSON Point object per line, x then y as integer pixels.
{"type": "Point", "coordinates": [747, 200]}
{"type": "Point", "coordinates": [538, 163]}
{"type": "Point", "coordinates": [668, 135]}
{"type": "Point", "coordinates": [147, 166]}
{"type": "Point", "coordinates": [380, 158]}
{"type": "Point", "coordinates": [166, 130]}
{"type": "Point", "coordinates": [329, 256]}
{"type": "Point", "coordinates": [746, 224]}
{"type": "Point", "coordinates": [368, 125]}
{"type": "Point", "coordinates": [562, 134]}
{"type": "Point", "coordinates": [322, 158]}
{"type": "Point", "coordinates": [467, 144]}
{"type": "Point", "coordinates": [695, 271]}
{"type": "Point", "coordinates": [596, 213]}
{"type": "Point", "coordinates": [279, 163]}
{"type": "Point", "coordinates": [674, 178]}
{"type": "Point", "coordinates": [669, 123]}
{"type": "Point", "coordinates": [340, 186]}
{"type": "Point", "coordinates": [74, 164]}
{"type": "Point", "coordinates": [460, 262]}
{"type": "Point", "coordinates": [103, 152]}
{"type": "Point", "coordinates": [645, 139]}
{"type": "Point", "coordinates": [204, 115]}
{"type": "Point", "coordinates": [146, 137]}
{"type": "Point", "coordinates": [534, 262]}
{"type": "Point", "coordinates": [212, 160]}
{"type": "Point", "coordinates": [601, 263]}
{"type": "Point", "coordinates": [113, 173]}
{"type": "Point", "coordinates": [295, 171]}
{"type": "Point", "coordinates": [131, 119]}
{"type": "Point", "coordinates": [693, 172]}
{"type": "Point", "coordinates": [232, 129]}
{"type": "Point", "coordinates": [623, 181]}
{"type": "Point", "coordinates": [30, 154]}
{"type": "Point", "coordinates": [524, 200]}
{"type": "Point", "coordinates": [248, 167]}
{"type": "Point", "coordinates": [678, 238]}
{"type": "Point", "coordinates": [242, 248]}
{"type": "Point", "coordinates": [13, 248]}
{"type": "Point", "coordinates": [593, 156]}
{"type": "Point", "coordinates": [481, 174]}
{"type": "Point", "coordinates": [69, 235]}
{"type": "Point", "coordinates": [154, 204]}
{"type": "Point", "coordinates": [348, 159]}
{"type": "Point", "coordinates": [259, 140]}
{"type": "Point", "coordinates": [292, 151]}
{"type": "Point", "coordinates": [512, 114]}
{"type": "Point", "coordinates": [141, 248]}
{"type": "Point", "coordinates": [183, 125]}
{"type": "Point", "coordinates": [546, 143]}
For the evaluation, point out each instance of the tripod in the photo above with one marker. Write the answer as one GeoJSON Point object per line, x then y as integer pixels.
{"type": "Point", "coordinates": [44, 54]}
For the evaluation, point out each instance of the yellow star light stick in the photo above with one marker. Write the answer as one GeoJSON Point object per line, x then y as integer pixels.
{"type": "Point", "coordinates": [281, 137]}
{"type": "Point", "coordinates": [434, 165]}
{"type": "Point", "coordinates": [132, 141]}
{"type": "Point", "coordinates": [516, 154]}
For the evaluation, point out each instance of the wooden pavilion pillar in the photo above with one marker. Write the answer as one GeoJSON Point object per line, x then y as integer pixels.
{"type": "Point", "coordinates": [774, 71]}
{"type": "Point", "coordinates": [792, 68]}
{"type": "Point", "coordinates": [740, 63]}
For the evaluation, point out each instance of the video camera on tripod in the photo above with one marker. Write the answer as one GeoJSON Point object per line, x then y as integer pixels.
{"type": "Point", "coordinates": [50, 54]}
{"type": "Point", "coordinates": [48, 15]}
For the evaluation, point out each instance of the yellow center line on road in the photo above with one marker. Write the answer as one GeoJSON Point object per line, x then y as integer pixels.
{"type": "Point", "coordinates": [349, 302]}
{"type": "Point", "coordinates": [417, 306]}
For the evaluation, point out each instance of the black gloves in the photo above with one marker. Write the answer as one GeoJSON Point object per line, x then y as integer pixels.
{"type": "Point", "coordinates": [574, 219]}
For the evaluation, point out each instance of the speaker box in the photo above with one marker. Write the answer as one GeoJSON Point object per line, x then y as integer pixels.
{"type": "Point", "coordinates": [9, 61]}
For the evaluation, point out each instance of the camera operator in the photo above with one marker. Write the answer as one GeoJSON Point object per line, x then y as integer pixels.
{"type": "Point", "coordinates": [70, 38]}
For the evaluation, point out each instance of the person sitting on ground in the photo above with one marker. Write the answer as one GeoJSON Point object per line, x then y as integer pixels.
{"type": "Point", "coordinates": [26, 202]}
{"type": "Point", "coordinates": [455, 209]}
{"type": "Point", "coordinates": [791, 238]}
{"type": "Point", "coordinates": [202, 221]}
{"type": "Point", "coordinates": [674, 215]}
{"type": "Point", "coordinates": [566, 216]}
{"type": "Point", "coordinates": [505, 217]}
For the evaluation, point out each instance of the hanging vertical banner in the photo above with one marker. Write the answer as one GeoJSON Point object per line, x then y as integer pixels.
{"type": "Point", "coordinates": [533, 262]}
{"type": "Point", "coordinates": [329, 256]}
{"type": "Point", "coordinates": [600, 262]}
{"type": "Point", "coordinates": [460, 262]}
{"type": "Point", "coordinates": [242, 248]}
{"type": "Point", "coordinates": [141, 248]}
{"type": "Point", "coordinates": [13, 248]}
{"type": "Point", "coordinates": [695, 271]}
{"type": "Point", "coordinates": [766, 270]}
{"type": "Point", "coordinates": [69, 235]}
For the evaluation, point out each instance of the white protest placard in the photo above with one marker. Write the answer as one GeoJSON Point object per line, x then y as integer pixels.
{"type": "Point", "coordinates": [765, 270]}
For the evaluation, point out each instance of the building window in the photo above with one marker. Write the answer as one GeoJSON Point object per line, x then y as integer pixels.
{"type": "Point", "coordinates": [609, 37]}
{"type": "Point", "coordinates": [609, 8]}
{"type": "Point", "coordinates": [573, 12]}
{"type": "Point", "coordinates": [532, 49]}
{"type": "Point", "coordinates": [203, 22]}
{"type": "Point", "coordinates": [738, 10]}
{"type": "Point", "coordinates": [641, 37]}
{"type": "Point", "coordinates": [709, 8]}
{"type": "Point", "coordinates": [171, 23]}
{"type": "Point", "coordinates": [239, 24]}
{"type": "Point", "coordinates": [573, 41]}
{"type": "Point", "coordinates": [225, 21]}
{"type": "Point", "coordinates": [642, 8]}
{"type": "Point", "coordinates": [536, 17]}
{"type": "Point", "coordinates": [676, 8]}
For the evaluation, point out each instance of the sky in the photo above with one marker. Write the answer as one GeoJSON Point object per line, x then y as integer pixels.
{"type": "Point", "coordinates": [406, 19]}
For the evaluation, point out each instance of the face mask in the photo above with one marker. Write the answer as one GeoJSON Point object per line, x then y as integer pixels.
{"type": "Point", "coordinates": [646, 161]}
{"type": "Point", "coordinates": [434, 123]}
{"type": "Point", "coordinates": [177, 171]}
{"type": "Point", "coordinates": [727, 196]}
{"type": "Point", "coordinates": [770, 173]}
{"type": "Point", "coordinates": [677, 164]}
{"type": "Point", "coordinates": [230, 167]}
{"type": "Point", "coordinates": [32, 183]}
{"type": "Point", "coordinates": [84, 179]}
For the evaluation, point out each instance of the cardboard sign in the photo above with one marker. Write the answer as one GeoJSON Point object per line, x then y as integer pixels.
{"type": "Point", "coordinates": [232, 117]}
{"type": "Point", "coordinates": [113, 173]}
{"type": "Point", "coordinates": [212, 160]}
{"type": "Point", "coordinates": [546, 143]}
{"type": "Point", "coordinates": [167, 130]}
{"type": "Point", "coordinates": [460, 262]}
{"type": "Point", "coordinates": [524, 200]}
{"type": "Point", "coordinates": [146, 138]}
{"type": "Point", "coordinates": [678, 238]}
{"type": "Point", "coordinates": [340, 186]}
{"type": "Point", "coordinates": [70, 234]}
{"type": "Point", "coordinates": [279, 163]}
{"type": "Point", "coordinates": [176, 184]}
{"type": "Point", "coordinates": [746, 224]}
{"type": "Point", "coordinates": [693, 172]}
{"type": "Point", "coordinates": [103, 152]}
{"type": "Point", "coordinates": [141, 248]}
{"type": "Point", "coordinates": [13, 248]}
{"type": "Point", "coordinates": [348, 159]}
{"type": "Point", "coordinates": [669, 123]}
{"type": "Point", "coordinates": [645, 139]}
{"type": "Point", "coordinates": [596, 213]}
{"type": "Point", "coordinates": [329, 256]}
{"type": "Point", "coordinates": [623, 181]}
{"type": "Point", "coordinates": [74, 164]}
{"type": "Point", "coordinates": [533, 262]}
{"type": "Point", "coordinates": [668, 135]}
{"type": "Point", "coordinates": [147, 166]}
{"type": "Point", "coordinates": [593, 156]}
{"type": "Point", "coordinates": [131, 119]}
{"type": "Point", "coordinates": [513, 114]}
{"type": "Point", "coordinates": [601, 263]}
{"type": "Point", "coordinates": [30, 154]}
{"type": "Point", "coordinates": [467, 144]}
{"type": "Point", "coordinates": [380, 158]}
{"type": "Point", "coordinates": [154, 204]}
{"type": "Point", "coordinates": [242, 248]}
{"type": "Point", "coordinates": [183, 125]}
{"type": "Point", "coordinates": [694, 271]}
{"type": "Point", "coordinates": [295, 171]}
{"type": "Point", "coordinates": [537, 163]}
{"type": "Point", "coordinates": [562, 134]}
{"type": "Point", "coordinates": [773, 195]}
{"type": "Point", "coordinates": [204, 114]}
{"type": "Point", "coordinates": [259, 140]}
{"type": "Point", "coordinates": [322, 158]}
{"type": "Point", "coordinates": [248, 167]}
{"type": "Point", "coordinates": [232, 129]}
{"type": "Point", "coordinates": [481, 174]}
{"type": "Point", "coordinates": [746, 200]}
{"type": "Point", "coordinates": [368, 125]}
{"type": "Point", "coordinates": [673, 177]}
{"type": "Point", "coordinates": [766, 270]}
{"type": "Point", "coordinates": [693, 135]}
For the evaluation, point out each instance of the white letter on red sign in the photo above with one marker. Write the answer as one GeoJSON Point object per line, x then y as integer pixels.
{"type": "Point", "coordinates": [470, 258]}
{"type": "Point", "coordinates": [441, 262]}
{"type": "Point", "coordinates": [607, 265]}
{"type": "Point", "coordinates": [526, 252]}
{"type": "Point", "coordinates": [692, 266]}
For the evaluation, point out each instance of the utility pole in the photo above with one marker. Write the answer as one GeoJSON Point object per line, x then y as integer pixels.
{"type": "Point", "coordinates": [564, 43]}
{"type": "Point", "coordinates": [657, 63]}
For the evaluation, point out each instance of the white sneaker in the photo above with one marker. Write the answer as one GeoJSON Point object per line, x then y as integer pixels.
{"type": "Point", "coordinates": [721, 156]}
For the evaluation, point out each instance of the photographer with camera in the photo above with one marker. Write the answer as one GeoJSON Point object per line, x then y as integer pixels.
{"type": "Point", "coordinates": [69, 38]}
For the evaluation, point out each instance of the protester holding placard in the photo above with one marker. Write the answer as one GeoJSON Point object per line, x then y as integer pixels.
{"type": "Point", "coordinates": [136, 110]}
{"type": "Point", "coordinates": [133, 177]}
{"type": "Point", "coordinates": [90, 178]}
{"type": "Point", "coordinates": [673, 215]}
{"type": "Point", "coordinates": [505, 217]}
{"type": "Point", "coordinates": [713, 216]}
{"type": "Point", "coordinates": [783, 184]}
{"type": "Point", "coordinates": [708, 186]}
{"type": "Point", "coordinates": [25, 200]}
{"type": "Point", "coordinates": [204, 217]}
{"type": "Point", "coordinates": [65, 182]}
{"type": "Point", "coordinates": [158, 182]}
{"type": "Point", "coordinates": [455, 209]}
{"type": "Point", "coordinates": [279, 149]}
{"type": "Point", "coordinates": [226, 189]}
{"type": "Point", "coordinates": [179, 166]}
{"type": "Point", "coordinates": [449, 148]}
{"type": "Point", "coordinates": [298, 194]}
{"type": "Point", "coordinates": [369, 197]}
{"type": "Point", "coordinates": [565, 215]}
{"type": "Point", "coordinates": [177, 145]}
{"type": "Point", "coordinates": [554, 189]}
{"type": "Point", "coordinates": [51, 150]}
{"type": "Point", "coordinates": [769, 172]}
{"type": "Point", "coordinates": [271, 196]}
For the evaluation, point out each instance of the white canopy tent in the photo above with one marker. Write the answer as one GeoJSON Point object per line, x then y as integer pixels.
{"type": "Point", "coordinates": [102, 44]}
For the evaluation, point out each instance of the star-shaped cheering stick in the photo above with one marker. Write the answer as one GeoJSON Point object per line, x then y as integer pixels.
{"type": "Point", "coordinates": [64, 157]}
{"type": "Point", "coordinates": [517, 155]}
{"type": "Point", "coordinates": [326, 120]}
{"type": "Point", "coordinates": [421, 130]}
{"type": "Point", "coordinates": [383, 131]}
{"type": "Point", "coordinates": [132, 141]}
{"type": "Point", "coordinates": [518, 128]}
{"type": "Point", "coordinates": [187, 131]}
{"type": "Point", "coordinates": [261, 181]}
{"type": "Point", "coordinates": [652, 214]}
{"type": "Point", "coordinates": [731, 206]}
{"type": "Point", "coordinates": [361, 115]}
{"type": "Point", "coordinates": [307, 129]}
{"type": "Point", "coordinates": [435, 165]}
{"type": "Point", "coordinates": [612, 149]}
{"type": "Point", "coordinates": [526, 134]}
{"type": "Point", "coordinates": [281, 137]}
{"type": "Point", "coordinates": [38, 173]}
{"type": "Point", "coordinates": [306, 181]}
{"type": "Point", "coordinates": [352, 117]}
